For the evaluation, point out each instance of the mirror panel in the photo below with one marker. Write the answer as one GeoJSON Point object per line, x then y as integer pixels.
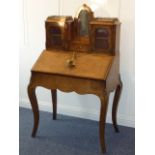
{"type": "Point", "coordinates": [83, 16]}
{"type": "Point", "coordinates": [84, 23]}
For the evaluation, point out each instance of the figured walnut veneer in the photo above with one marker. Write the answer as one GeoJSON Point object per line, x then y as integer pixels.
{"type": "Point", "coordinates": [92, 66]}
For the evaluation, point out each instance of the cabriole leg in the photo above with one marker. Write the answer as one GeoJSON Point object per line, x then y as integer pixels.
{"type": "Point", "coordinates": [103, 113]}
{"type": "Point", "coordinates": [115, 104]}
{"type": "Point", "coordinates": [34, 104]}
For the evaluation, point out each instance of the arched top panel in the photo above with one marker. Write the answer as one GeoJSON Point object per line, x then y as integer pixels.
{"type": "Point", "coordinates": [84, 8]}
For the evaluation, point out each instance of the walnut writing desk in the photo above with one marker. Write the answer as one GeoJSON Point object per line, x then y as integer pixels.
{"type": "Point", "coordinates": [93, 70]}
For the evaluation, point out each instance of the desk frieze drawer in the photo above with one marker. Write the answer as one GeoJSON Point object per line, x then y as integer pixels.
{"type": "Point", "coordinates": [68, 84]}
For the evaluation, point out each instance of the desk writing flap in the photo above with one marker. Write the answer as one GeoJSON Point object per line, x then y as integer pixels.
{"type": "Point", "coordinates": [93, 66]}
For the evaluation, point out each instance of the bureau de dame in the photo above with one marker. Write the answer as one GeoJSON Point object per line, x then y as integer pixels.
{"type": "Point", "coordinates": [81, 55]}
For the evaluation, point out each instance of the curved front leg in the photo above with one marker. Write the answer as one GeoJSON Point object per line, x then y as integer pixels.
{"type": "Point", "coordinates": [115, 104]}
{"type": "Point", "coordinates": [103, 113]}
{"type": "Point", "coordinates": [34, 104]}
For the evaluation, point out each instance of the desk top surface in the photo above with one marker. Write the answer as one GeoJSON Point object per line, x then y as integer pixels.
{"type": "Point", "coordinates": [88, 65]}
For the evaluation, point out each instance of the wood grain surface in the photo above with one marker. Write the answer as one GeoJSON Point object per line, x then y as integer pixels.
{"type": "Point", "coordinates": [93, 66]}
